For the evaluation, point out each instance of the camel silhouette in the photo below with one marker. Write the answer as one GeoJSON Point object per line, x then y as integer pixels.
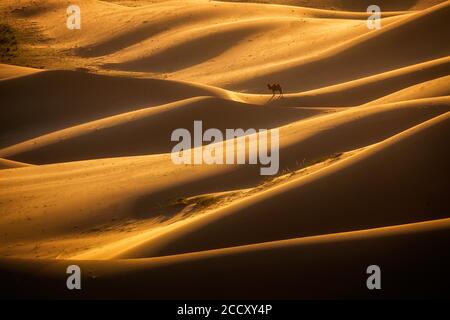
{"type": "Point", "coordinates": [275, 88]}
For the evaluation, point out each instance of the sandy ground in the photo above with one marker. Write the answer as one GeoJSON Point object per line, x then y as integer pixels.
{"type": "Point", "coordinates": [86, 176]}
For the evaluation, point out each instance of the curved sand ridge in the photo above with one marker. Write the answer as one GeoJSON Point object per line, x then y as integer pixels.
{"type": "Point", "coordinates": [358, 5]}
{"type": "Point", "coordinates": [57, 99]}
{"type": "Point", "coordinates": [295, 262]}
{"type": "Point", "coordinates": [293, 209]}
{"type": "Point", "coordinates": [412, 39]}
{"type": "Point", "coordinates": [137, 187]}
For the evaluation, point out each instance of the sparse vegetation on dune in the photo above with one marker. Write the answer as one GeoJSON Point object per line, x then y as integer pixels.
{"type": "Point", "coordinates": [9, 45]}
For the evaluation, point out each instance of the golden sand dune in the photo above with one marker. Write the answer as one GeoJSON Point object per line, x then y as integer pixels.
{"type": "Point", "coordinates": [98, 192]}
{"type": "Point", "coordinates": [145, 131]}
{"type": "Point", "coordinates": [86, 172]}
{"type": "Point", "coordinates": [433, 88]}
{"type": "Point", "coordinates": [294, 209]}
{"type": "Point", "coordinates": [421, 36]}
{"type": "Point", "coordinates": [294, 263]}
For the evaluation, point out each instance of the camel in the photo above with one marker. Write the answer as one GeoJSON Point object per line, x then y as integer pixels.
{"type": "Point", "coordinates": [275, 88]}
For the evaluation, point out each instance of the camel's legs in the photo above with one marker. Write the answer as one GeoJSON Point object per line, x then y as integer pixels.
{"type": "Point", "coordinates": [280, 95]}
{"type": "Point", "coordinates": [273, 95]}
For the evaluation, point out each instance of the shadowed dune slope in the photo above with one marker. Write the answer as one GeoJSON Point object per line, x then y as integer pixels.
{"type": "Point", "coordinates": [411, 163]}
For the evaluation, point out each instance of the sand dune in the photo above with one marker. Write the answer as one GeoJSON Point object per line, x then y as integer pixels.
{"type": "Point", "coordinates": [206, 45]}
{"type": "Point", "coordinates": [293, 210]}
{"type": "Point", "coordinates": [353, 129]}
{"type": "Point", "coordinates": [364, 55]}
{"type": "Point", "coordinates": [9, 71]}
{"type": "Point", "coordinates": [87, 178]}
{"type": "Point", "coordinates": [368, 89]}
{"type": "Point", "coordinates": [216, 65]}
{"type": "Point", "coordinates": [433, 88]}
{"type": "Point", "coordinates": [144, 187]}
{"type": "Point", "coordinates": [8, 164]}
{"type": "Point", "coordinates": [147, 131]}
{"type": "Point", "coordinates": [297, 263]}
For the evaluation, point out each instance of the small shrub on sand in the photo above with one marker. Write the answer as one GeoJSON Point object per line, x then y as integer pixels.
{"type": "Point", "coordinates": [8, 43]}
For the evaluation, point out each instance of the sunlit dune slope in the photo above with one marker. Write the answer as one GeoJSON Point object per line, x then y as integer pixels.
{"type": "Point", "coordinates": [201, 41]}
{"type": "Point", "coordinates": [354, 5]}
{"type": "Point", "coordinates": [433, 88]}
{"type": "Point", "coordinates": [312, 267]}
{"type": "Point", "coordinates": [9, 71]}
{"type": "Point", "coordinates": [225, 44]}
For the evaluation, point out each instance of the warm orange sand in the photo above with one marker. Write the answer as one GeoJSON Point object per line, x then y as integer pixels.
{"type": "Point", "coordinates": [86, 176]}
